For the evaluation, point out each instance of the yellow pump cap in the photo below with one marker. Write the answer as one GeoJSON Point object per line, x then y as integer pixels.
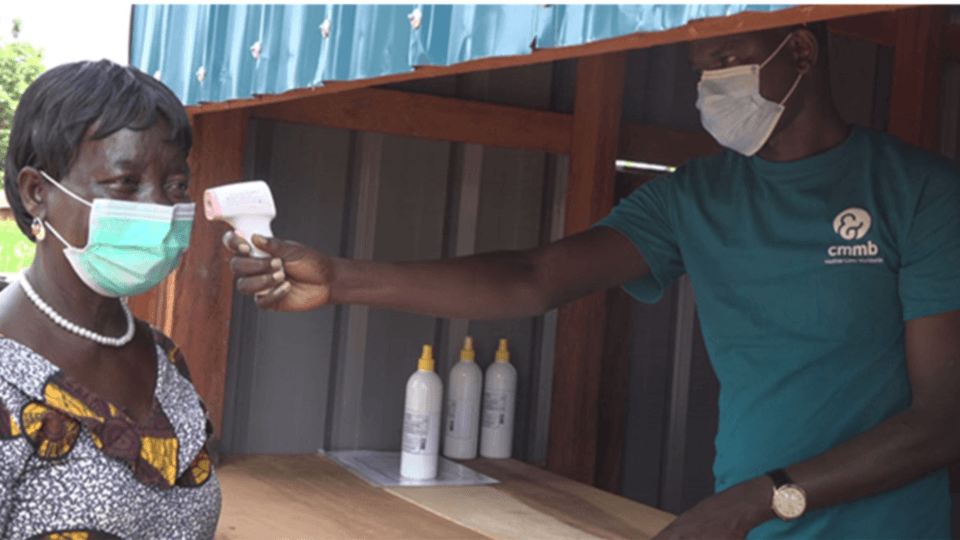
{"type": "Point", "coordinates": [466, 353]}
{"type": "Point", "coordinates": [503, 353]}
{"type": "Point", "coordinates": [426, 359]}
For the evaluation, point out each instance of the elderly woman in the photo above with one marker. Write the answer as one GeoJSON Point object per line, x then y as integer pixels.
{"type": "Point", "coordinates": [102, 434]}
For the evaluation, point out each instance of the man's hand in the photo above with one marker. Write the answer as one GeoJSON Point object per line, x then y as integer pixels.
{"type": "Point", "coordinates": [293, 278]}
{"type": "Point", "coordinates": [728, 515]}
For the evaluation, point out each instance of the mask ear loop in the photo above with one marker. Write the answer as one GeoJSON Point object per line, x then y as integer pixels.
{"type": "Point", "coordinates": [772, 56]}
{"type": "Point", "coordinates": [68, 192]}
{"type": "Point", "coordinates": [775, 52]}
{"type": "Point", "coordinates": [55, 233]}
{"type": "Point", "coordinates": [792, 88]}
{"type": "Point", "coordinates": [65, 190]}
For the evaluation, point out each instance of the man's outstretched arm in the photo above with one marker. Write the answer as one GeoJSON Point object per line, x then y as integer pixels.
{"type": "Point", "coordinates": [504, 284]}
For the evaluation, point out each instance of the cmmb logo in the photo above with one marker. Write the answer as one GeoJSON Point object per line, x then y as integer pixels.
{"type": "Point", "coordinates": [853, 224]}
{"type": "Point", "coordinates": [861, 250]}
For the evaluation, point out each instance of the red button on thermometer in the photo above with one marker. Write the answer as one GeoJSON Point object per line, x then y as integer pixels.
{"type": "Point", "coordinates": [247, 206]}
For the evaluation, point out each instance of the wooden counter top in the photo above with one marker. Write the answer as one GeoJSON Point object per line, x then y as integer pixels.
{"type": "Point", "coordinates": [310, 498]}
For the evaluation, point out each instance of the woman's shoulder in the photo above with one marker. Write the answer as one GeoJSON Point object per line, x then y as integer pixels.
{"type": "Point", "coordinates": [22, 370]}
{"type": "Point", "coordinates": [14, 393]}
{"type": "Point", "coordinates": [169, 349]}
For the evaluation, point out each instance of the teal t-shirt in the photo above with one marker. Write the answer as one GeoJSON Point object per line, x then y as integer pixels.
{"type": "Point", "coordinates": [804, 274]}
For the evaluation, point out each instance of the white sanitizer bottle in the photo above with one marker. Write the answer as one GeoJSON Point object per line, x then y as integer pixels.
{"type": "Point", "coordinates": [421, 421]}
{"type": "Point", "coordinates": [499, 394]}
{"type": "Point", "coordinates": [461, 429]}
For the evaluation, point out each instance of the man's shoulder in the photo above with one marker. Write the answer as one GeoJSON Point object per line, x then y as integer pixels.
{"type": "Point", "coordinates": [895, 155]}
{"type": "Point", "coordinates": [714, 163]}
{"type": "Point", "coordinates": [712, 169]}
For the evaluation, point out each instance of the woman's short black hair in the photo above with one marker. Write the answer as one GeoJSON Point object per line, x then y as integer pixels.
{"type": "Point", "coordinates": [60, 106]}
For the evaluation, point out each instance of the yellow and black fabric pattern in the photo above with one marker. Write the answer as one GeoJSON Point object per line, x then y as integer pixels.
{"type": "Point", "coordinates": [51, 432]}
{"type": "Point", "coordinates": [75, 466]}
{"type": "Point", "coordinates": [76, 535]}
{"type": "Point", "coordinates": [198, 472]}
{"type": "Point", "coordinates": [173, 352]}
{"type": "Point", "coordinates": [148, 448]}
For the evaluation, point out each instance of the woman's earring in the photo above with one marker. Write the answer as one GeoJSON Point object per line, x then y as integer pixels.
{"type": "Point", "coordinates": [38, 230]}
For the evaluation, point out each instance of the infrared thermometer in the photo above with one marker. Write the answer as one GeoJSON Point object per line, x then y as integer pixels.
{"type": "Point", "coordinates": [247, 206]}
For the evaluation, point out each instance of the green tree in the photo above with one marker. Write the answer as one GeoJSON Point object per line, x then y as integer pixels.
{"type": "Point", "coordinates": [20, 64]}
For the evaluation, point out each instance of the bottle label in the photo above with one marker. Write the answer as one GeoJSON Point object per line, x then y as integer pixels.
{"type": "Point", "coordinates": [495, 408]}
{"type": "Point", "coordinates": [416, 433]}
{"type": "Point", "coordinates": [459, 414]}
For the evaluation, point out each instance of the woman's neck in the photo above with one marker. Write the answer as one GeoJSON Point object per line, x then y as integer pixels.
{"type": "Point", "coordinates": [57, 284]}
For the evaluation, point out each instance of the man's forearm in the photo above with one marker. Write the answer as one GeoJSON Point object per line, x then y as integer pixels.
{"type": "Point", "coordinates": [488, 286]}
{"type": "Point", "coordinates": [500, 285]}
{"type": "Point", "coordinates": [899, 450]}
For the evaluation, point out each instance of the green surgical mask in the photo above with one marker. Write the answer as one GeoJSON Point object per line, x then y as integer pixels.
{"type": "Point", "coordinates": [131, 246]}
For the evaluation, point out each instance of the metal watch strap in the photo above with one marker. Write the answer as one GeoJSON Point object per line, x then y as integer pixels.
{"type": "Point", "coordinates": [780, 478]}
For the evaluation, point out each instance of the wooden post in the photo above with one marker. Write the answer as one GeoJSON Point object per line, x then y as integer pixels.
{"type": "Point", "coordinates": [612, 403]}
{"type": "Point", "coordinates": [576, 403]}
{"type": "Point", "coordinates": [917, 68]}
{"type": "Point", "coordinates": [202, 296]}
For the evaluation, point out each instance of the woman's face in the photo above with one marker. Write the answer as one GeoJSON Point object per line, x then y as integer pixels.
{"type": "Point", "coordinates": [138, 166]}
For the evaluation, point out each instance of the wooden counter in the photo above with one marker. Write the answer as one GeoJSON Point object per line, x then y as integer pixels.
{"type": "Point", "coordinates": [311, 498]}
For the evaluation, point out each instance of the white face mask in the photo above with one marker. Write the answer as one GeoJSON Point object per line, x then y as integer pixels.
{"type": "Point", "coordinates": [732, 109]}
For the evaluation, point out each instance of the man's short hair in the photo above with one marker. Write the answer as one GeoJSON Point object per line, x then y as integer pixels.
{"type": "Point", "coordinates": [60, 106]}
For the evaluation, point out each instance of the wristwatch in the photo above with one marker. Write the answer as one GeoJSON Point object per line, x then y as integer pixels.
{"type": "Point", "coordinates": [789, 499]}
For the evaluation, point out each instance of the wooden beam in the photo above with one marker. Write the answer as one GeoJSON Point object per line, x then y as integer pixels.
{"type": "Point", "coordinates": [581, 327]}
{"type": "Point", "coordinates": [452, 119]}
{"type": "Point", "coordinates": [702, 28]}
{"type": "Point", "coordinates": [430, 117]}
{"type": "Point", "coordinates": [917, 69]}
{"type": "Point", "coordinates": [202, 296]}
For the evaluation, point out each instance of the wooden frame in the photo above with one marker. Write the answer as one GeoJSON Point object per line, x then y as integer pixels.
{"type": "Point", "coordinates": [917, 67]}
{"type": "Point", "coordinates": [746, 21]}
{"type": "Point", "coordinates": [429, 117]}
{"type": "Point", "coordinates": [572, 445]}
{"type": "Point", "coordinates": [586, 425]}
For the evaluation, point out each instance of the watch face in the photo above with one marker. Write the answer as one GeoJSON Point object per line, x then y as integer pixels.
{"type": "Point", "coordinates": [789, 502]}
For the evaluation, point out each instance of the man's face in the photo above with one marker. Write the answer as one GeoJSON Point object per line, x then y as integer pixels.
{"type": "Point", "coordinates": [752, 48]}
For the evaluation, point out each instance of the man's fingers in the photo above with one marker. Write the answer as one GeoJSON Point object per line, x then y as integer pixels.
{"type": "Point", "coordinates": [235, 243]}
{"type": "Point", "coordinates": [271, 298]}
{"type": "Point", "coordinates": [260, 284]}
{"type": "Point", "coordinates": [251, 266]}
{"type": "Point", "coordinates": [270, 245]}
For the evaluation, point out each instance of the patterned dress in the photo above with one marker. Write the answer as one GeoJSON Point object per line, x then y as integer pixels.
{"type": "Point", "coordinates": [75, 467]}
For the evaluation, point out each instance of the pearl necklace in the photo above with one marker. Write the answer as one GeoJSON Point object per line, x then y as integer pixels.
{"type": "Point", "coordinates": [76, 329]}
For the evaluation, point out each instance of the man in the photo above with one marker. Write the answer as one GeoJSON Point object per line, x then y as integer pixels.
{"type": "Point", "coordinates": [826, 262]}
